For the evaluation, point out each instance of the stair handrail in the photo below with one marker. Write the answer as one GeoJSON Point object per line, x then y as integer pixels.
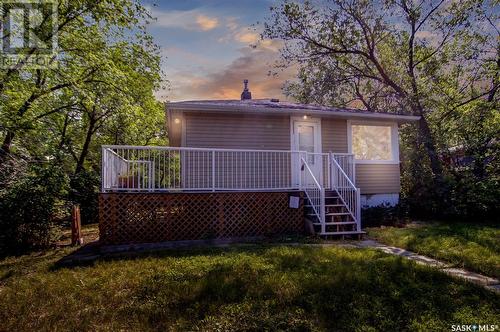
{"type": "Point", "coordinates": [321, 207]}
{"type": "Point", "coordinates": [343, 173]}
{"type": "Point", "coordinates": [352, 203]}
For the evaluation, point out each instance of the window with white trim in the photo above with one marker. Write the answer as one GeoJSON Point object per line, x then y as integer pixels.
{"type": "Point", "coordinates": [372, 142]}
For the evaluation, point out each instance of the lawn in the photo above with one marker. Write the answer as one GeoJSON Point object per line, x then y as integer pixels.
{"type": "Point", "coordinates": [471, 246]}
{"type": "Point", "coordinates": [257, 287]}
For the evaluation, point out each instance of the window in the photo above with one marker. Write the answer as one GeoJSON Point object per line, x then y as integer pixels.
{"type": "Point", "coordinates": [373, 142]}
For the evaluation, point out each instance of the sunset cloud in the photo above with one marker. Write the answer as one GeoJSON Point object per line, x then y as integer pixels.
{"type": "Point", "coordinates": [187, 19]}
{"type": "Point", "coordinates": [227, 83]}
{"type": "Point", "coordinates": [247, 37]}
{"type": "Point", "coordinates": [237, 33]}
{"type": "Point", "coordinates": [206, 23]}
{"type": "Point", "coordinates": [208, 50]}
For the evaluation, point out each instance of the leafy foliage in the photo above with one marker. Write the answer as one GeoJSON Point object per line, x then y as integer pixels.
{"type": "Point", "coordinates": [27, 210]}
{"type": "Point", "coordinates": [384, 214]}
{"type": "Point", "coordinates": [434, 59]}
{"type": "Point", "coordinates": [100, 92]}
{"type": "Point", "coordinates": [84, 189]}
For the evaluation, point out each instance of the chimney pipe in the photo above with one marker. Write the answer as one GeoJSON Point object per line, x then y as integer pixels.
{"type": "Point", "coordinates": [246, 94]}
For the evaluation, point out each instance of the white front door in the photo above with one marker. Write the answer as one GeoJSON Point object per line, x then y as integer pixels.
{"type": "Point", "coordinates": [306, 136]}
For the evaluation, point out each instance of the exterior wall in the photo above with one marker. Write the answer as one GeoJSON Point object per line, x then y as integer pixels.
{"type": "Point", "coordinates": [264, 132]}
{"type": "Point", "coordinates": [237, 131]}
{"type": "Point", "coordinates": [174, 124]}
{"type": "Point", "coordinates": [334, 135]}
{"type": "Point", "coordinates": [244, 131]}
{"type": "Point", "coordinates": [378, 178]}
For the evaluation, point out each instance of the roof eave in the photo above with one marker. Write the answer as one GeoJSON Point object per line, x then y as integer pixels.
{"type": "Point", "coordinates": [268, 110]}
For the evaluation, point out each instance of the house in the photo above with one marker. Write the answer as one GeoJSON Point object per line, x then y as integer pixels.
{"type": "Point", "coordinates": [265, 152]}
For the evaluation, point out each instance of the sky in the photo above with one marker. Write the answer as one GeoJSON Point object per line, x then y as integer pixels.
{"type": "Point", "coordinates": [207, 49]}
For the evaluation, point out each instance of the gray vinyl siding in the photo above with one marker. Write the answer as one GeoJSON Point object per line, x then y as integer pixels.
{"type": "Point", "coordinates": [251, 169]}
{"type": "Point", "coordinates": [263, 132]}
{"type": "Point", "coordinates": [237, 131]}
{"type": "Point", "coordinates": [378, 178]}
{"type": "Point", "coordinates": [334, 135]}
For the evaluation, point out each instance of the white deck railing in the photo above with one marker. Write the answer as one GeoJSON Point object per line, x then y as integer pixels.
{"type": "Point", "coordinates": [144, 168]}
{"type": "Point", "coordinates": [132, 168]}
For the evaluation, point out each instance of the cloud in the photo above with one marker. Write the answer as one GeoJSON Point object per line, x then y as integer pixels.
{"type": "Point", "coordinates": [207, 23]}
{"type": "Point", "coordinates": [254, 64]}
{"type": "Point", "coordinates": [247, 37]}
{"type": "Point", "coordinates": [184, 19]}
{"type": "Point", "coordinates": [232, 23]}
{"type": "Point", "coordinates": [241, 34]}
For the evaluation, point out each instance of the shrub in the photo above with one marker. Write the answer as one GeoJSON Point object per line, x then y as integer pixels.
{"type": "Point", "coordinates": [84, 191]}
{"type": "Point", "coordinates": [383, 214]}
{"type": "Point", "coordinates": [27, 208]}
{"type": "Point", "coordinates": [476, 199]}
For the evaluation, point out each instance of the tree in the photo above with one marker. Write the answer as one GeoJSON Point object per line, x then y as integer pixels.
{"type": "Point", "coordinates": [100, 92]}
{"type": "Point", "coordinates": [91, 35]}
{"type": "Point", "coordinates": [396, 56]}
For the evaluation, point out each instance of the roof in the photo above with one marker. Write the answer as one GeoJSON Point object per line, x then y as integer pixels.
{"type": "Point", "coordinates": [273, 106]}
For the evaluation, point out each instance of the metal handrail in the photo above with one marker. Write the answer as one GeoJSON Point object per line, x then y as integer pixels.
{"type": "Point", "coordinates": [343, 173]}
{"type": "Point", "coordinates": [319, 209]}
{"type": "Point", "coordinates": [352, 201]}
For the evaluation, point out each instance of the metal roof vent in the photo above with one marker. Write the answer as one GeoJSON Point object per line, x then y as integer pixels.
{"type": "Point", "coordinates": [246, 94]}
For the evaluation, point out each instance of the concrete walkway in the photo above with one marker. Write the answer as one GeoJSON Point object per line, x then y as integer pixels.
{"type": "Point", "coordinates": [476, 278]}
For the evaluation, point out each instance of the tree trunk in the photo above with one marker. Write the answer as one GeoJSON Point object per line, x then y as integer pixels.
{"type": "Point", "coordinates": [430, 147]}
{"type": "Point", "coordinates": [9, 137]}
{"type": "Point", "coordinates": [7, 142]}
{"type": "Point", "coordinates": [86, 145]}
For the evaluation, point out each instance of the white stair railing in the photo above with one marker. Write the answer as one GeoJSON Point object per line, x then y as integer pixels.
{"type": "Point", "coordinates": [314, 192]}
{"type": "Point", "coordinates": [346, 162]}
{"type": "Point", "coordinates": [347, 191]}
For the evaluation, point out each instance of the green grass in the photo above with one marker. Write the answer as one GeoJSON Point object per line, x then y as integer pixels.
{"type": "Point", "coordinates": [239, 288]}
{"type": "Point", "coordinates": [474, 247]}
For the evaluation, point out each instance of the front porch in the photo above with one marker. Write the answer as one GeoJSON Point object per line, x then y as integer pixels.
{"type": "Point", "coordinates": [148, 186]}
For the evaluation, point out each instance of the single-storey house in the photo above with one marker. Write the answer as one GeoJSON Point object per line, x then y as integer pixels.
{"type": "Point", "coordinates": [335, 160]}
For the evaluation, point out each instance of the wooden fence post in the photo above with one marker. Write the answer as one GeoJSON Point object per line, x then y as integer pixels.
{"type": "Point", "coordinates": [76, 226]}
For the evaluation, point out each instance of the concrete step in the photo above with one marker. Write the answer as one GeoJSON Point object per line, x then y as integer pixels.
{"type": "Point", "coordinates": [337, 214]}
{"type": "Point", "coordinates": [343, 233]}
{"type": "Point", "coordinates": [327, 205]}
{"type": "Point", "coordinates": [336, 223]}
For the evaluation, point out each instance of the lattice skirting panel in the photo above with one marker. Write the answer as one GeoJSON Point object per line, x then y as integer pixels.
{"type": "Point", "coordinates": [155, 217]}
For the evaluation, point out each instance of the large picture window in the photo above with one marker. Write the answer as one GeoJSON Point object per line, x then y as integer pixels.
{"type": "Point", "coordinates": [372, 142]}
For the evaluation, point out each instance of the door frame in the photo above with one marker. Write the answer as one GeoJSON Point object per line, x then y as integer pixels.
{"type": "Point", "coordinates": [318, 145]}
